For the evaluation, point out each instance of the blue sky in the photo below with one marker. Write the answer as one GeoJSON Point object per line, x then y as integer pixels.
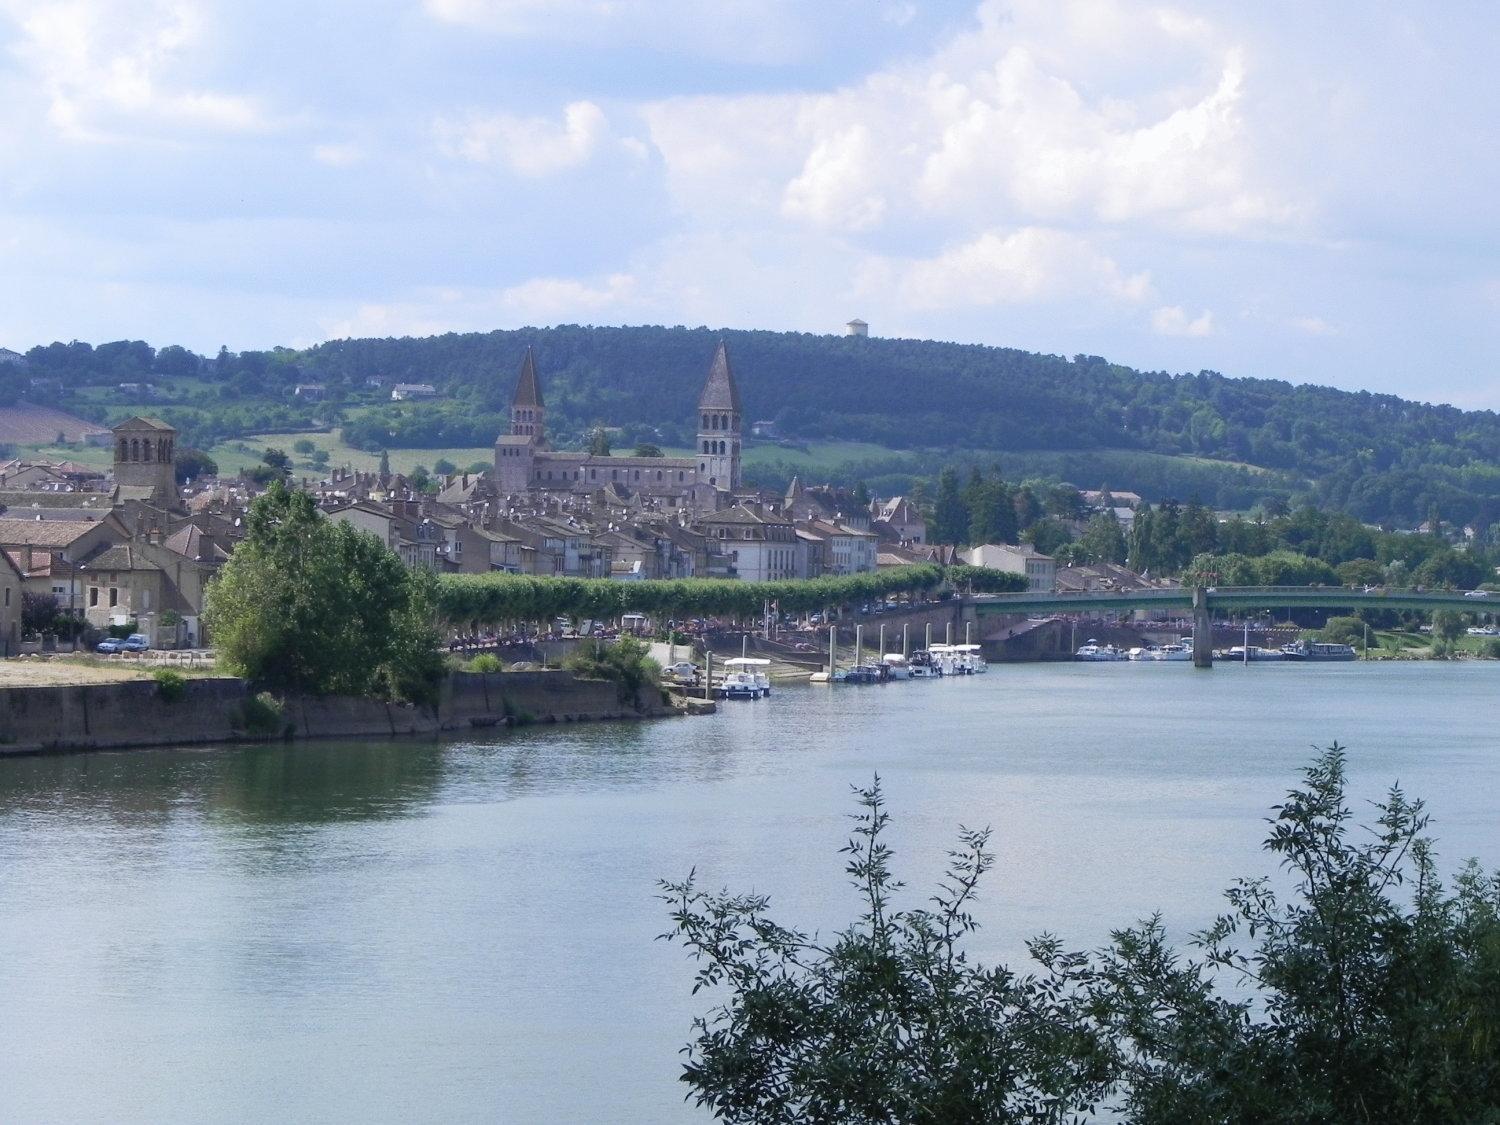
{"type": "Point", "coordinates": [1280, 189]}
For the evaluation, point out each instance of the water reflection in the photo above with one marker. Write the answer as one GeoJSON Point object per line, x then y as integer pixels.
{"type": "Point", "coordinates": [307, 783]}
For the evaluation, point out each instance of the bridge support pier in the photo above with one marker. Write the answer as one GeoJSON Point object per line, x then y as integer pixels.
{"type": "Point", "coordinates": [1203, 630]}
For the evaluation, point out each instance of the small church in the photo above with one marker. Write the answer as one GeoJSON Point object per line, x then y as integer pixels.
{"type": "Point", "coordinates": [524, 462]}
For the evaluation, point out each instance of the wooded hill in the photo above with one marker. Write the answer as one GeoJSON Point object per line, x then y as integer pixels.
{"type": "Point", "coordinates": [1230, 440]}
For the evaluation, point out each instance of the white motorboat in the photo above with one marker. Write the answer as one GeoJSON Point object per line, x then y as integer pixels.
{"type": "Point", "coordinates": [897, 667]}
{"type": "Point", "coordinates": [1093, 651]}
{"type": "Point", "coordinates": [738, 685]}
{"type": "Point", "coordinates": [922, 666]}
{"type": "Point", "coordinates": [1178, 651]}
{"type": "Point", "coordinates": [970, 659]}
{"type": "Point", "coordinates": [754, 667]}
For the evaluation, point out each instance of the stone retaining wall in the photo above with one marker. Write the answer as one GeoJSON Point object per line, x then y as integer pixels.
{"type": "Point", "coordinates": [134, 713]}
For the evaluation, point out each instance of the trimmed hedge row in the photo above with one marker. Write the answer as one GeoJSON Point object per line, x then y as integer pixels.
{"type": "Point", "coordinates": [491, 599]}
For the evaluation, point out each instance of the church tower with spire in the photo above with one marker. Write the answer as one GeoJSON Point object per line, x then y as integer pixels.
{"type": "Point", "coordinates": [720, 422]}
{"type": "Point", "coordinates": [515, 452]}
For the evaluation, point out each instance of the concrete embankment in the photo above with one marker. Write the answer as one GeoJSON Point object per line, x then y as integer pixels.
{"type": "Point", "coordinates": [137, 713]}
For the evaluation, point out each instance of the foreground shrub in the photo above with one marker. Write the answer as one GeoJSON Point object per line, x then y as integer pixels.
{"type": "Point", "coordinates": [623, 661]}
{"type": "Point", "coordinates": [486, 662]}
{"type": "Point", "coordinates": [171, 684]}
{"type": "Point", "coordinates": [1366, 992]}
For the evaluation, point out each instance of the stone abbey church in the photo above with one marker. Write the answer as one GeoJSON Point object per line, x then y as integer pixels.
{"type": "Point", "coordinates": [705, 482]}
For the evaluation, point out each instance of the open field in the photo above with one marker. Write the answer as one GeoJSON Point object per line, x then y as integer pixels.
{"type": "Point", "coordinates": [32, 671]}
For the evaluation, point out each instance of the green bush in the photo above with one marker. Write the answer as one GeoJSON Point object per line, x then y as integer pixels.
{"type": "Point", "coordinates": [1492, 648]}
{"type": "Point", "coordinates": [263, 714]}
{"type": "Point", "coordinates": [1355, 987]}
{"type": "Point", "coordinates": [625, 662]}
{"type": "Point", "coordinates": [486, 662]}
{"type": "Point", "coordinates": [171, 684]}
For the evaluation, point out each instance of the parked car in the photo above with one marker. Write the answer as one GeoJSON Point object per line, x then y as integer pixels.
{"type": "Point", "coordinates": [1476, 593]}
{"type": "Point", "coordinates": [684, 671]}
{"type": "Point", "coordinates": [136, 642]}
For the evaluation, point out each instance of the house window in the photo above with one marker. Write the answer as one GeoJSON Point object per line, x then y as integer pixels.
{"type": "Point", "coordinates": [114, 596]}
{"type": "Point", "coordinates": [93, 596]}
{"type": "Point", "coordinates": [7, 597]}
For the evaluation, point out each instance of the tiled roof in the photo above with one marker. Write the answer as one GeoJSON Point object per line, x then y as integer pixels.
{"type": "Point", "coordinates": [121, 557]}
{"type": "Point", "coordinates": [138, 423]}
{"type": "Point", "coordinates": [43, 533]}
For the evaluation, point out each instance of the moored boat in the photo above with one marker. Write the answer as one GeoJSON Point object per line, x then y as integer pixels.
{"type": "Point", "coordinates": [1093, 651]}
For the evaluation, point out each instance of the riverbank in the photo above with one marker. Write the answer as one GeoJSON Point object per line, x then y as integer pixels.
{"type": "Point", "coordinates": [39, 718]}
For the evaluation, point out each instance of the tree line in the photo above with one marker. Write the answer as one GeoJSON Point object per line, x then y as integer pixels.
{"type": "Point", "coordinates": [495, 599]}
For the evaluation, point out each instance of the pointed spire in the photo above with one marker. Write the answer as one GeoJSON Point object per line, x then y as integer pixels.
{"type": "Point", "coordinates": [528, 391]}
{"type": "Point", "coordinates": [720, 392]}
{"type": "Point", "coordinates": [794, 490]}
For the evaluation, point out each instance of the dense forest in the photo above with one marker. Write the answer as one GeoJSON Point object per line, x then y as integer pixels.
{"type": "Point", "coordinates": [1231, 440]}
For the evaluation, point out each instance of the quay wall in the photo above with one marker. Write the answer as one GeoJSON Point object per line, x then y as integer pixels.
{"type": "Point", "coordinates": [212, 709]}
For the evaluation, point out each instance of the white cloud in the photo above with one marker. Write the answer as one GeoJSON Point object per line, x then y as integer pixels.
{"type": "Point", "coordinates": [833, 189]}
{"type": "Point", "coordinates": [433, 310]}
{"type": "Point", "coordinates": [757, 31]}
{"type": "Point", "coordinates": [550, 299]}
{"type": "Point", "coordinates": [343, 154]}
{"type": "Point", "coordinates": [1031, 118]}
{"type": "Point", "coordinates": [1314, 326]}
{"type": "Point", "coordinates": [1172, 320]}
{"type": "Point", "coordinates": [998, 268]}
{"type": "Point", "coordinates": [529, 146]}
{"type": "Point", "coordinates": [107, 70]}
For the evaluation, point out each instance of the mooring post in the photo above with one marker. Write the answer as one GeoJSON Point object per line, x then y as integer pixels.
{"type": "Point", "coordinates": [1203, 630]}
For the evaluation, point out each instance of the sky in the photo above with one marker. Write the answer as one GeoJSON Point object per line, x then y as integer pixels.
{"type": "Point", "coordinates": [1280, 189]}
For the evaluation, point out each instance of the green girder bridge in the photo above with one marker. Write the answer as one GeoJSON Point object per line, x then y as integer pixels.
{"type": "Point", "coordinates": [1203, 600]}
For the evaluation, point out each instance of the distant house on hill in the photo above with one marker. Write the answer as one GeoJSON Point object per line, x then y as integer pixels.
{"type": "Point", "coordinates": [401, 392]}
{"type": "Point", "coordinates": [310, 392]}
{"type": "Point", "coordinates": [15, 359]}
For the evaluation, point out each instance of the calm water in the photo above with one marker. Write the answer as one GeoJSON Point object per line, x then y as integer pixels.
{"type": "Point", "coordinates": [464, 932]}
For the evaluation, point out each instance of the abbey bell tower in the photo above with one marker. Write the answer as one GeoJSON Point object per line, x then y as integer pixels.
{"type": "Point", "coordinates": [720, 420]}
{"type": "Point", "coordinates": [146, 457]}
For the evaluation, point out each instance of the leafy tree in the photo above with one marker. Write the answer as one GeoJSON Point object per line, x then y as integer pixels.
{"type": "Point", "coordinates": [1047, 535]}
{"type": "Point", "coordinates": [888, 1021]}
{"type": "Point", "coordinates": [862, 495]}
{"type": "Point", "coordinates": [1447, 625]}
{"type": "Point", "coordinates": [646, 449]}
{"type": "Point", "coordinates": [1355, 988]}
{"type": "Point", "coordinates": [950, 518]}
{"type": "Point", "coordinates": [444, 467]}
{"type": "Point", "coordinates": [626, 662]}
{"type": "Point", "coordinates": [1344, 631]}
{"type": "Point", "coordinates": [303, 446]}
{"type": "Point", "coordinates": [277, 459]}
{"type": "Point", "coordinates": [1363, 1005]}
{"type": "Point", "coordinates": [385, 463]}
{"type": "Point", "coordinates": [194, 463]}
{"type": "Point", "coordinates": [599, 442]}
{"type": "Point", "coordinates": [308, 605]}
{"type": "Point", "coordinates": [1360, 572]}
{"type": "Point", "coordinates": [1102, 539]}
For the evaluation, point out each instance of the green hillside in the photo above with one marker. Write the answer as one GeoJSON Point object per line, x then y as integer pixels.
{"type": "Point", "coordinates": [887, 409]}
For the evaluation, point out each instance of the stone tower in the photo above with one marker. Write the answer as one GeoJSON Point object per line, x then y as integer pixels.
{"type": "Point", "coordinates": [515, 452]}
{"type": "Point", "coordinates": [720, 420]}
{"type": "Point", "coordinates": [146, 457]}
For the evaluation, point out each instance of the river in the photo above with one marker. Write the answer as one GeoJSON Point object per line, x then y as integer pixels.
{"type": "Point", "coordinates": [464, 931]}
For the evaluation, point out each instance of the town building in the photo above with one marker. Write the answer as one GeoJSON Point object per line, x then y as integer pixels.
{"type": "Point", "coordinates": [1040, 570]}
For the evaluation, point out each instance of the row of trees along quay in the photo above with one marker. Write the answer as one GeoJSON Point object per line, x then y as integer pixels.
{"type": "Point", "coordinates": [493, 599]}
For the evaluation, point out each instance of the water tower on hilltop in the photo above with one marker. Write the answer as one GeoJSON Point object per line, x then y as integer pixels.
{"type": "Point", "coordinates": [856, 327]}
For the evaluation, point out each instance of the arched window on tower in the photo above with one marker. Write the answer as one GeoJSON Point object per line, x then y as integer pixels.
{"type": "Point", "coordinates": [124, 452]}
{"type": "Point", "coordinates": [135, 450]}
